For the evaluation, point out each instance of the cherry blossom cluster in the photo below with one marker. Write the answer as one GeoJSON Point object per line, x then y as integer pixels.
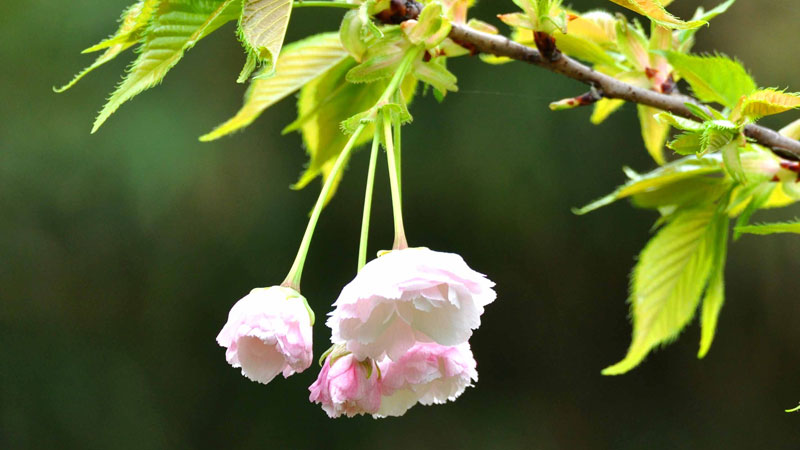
{"type": "Point", "coordinates": [400, 332]}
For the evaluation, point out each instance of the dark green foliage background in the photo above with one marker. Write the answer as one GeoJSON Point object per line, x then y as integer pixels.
{"type": "Point", "coordinates": [120, 254]}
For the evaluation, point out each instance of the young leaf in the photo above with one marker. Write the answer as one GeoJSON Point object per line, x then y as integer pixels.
{"type": "Point", "coordinates": [176, 27]}
{"type": "Point", "coordinates": [323, 105]}
{"type": "Point", "coordinates": [715, 292]}
{"type": "Point", "coordinates": [654, 10]}
{"type": "Point", "coordinates": [134, 20]}
{"type": "Point", "coordinates": [686, 37]}
{"type": "Point", "coordinates": [262, 28]}
{"type": "Point", "coordinates": [713, 78]}
{"type": "Point", "coordinates": [298, 64]}
{"type": "Point", "coordinates": [654, 132]}
{"type": "Point", "coordinates": [771, 228]}
{"type": "Point", "coordinates": [766, 102]}
{"type": "Point", "coordinates": [688, 167]}
{"type": "Point", "coordinates": [687, 143]}
{"type": "Point", "coordinates": [667, 283]}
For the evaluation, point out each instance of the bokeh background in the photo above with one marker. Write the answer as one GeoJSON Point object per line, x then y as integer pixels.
{"type": "Point", "coordinates": [121, 253]}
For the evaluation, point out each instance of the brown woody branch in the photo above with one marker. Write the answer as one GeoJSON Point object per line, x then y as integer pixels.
{"type": "Point", "coordinates": [478, 41]}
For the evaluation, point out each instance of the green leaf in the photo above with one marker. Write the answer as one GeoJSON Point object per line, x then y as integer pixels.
{"type": "Point", "coordinates": [679, 122]}
{"type": "Point", "coordinates": [732, 160]}
{"type": "Point", "coordinates": [323, 105]}
{"type": "Point", "coordinates": [685, 193]}
{"type": "Point", "coordinates": [584, 49]}
{"type": "Point", "coordinates": [133, 22]}
{"type": "Point", "coordinates": [298, 64]}
{"type": "Point", "coordinates": [713, 78]}
{"type": "Point", "coordinates": [176, 27]}
{"type": "Point", "coordinates": [654, 10]}
{"type": "Point", "coordinates": [715, 292]}
{"type": "Point", "coordinates": [771, 228]}
{"type": "Point", "coordinates": [668, 281]}
{"type": "Point", "coordinates": [262, 28]}
{"type": "Point", "coordinates": [654, 132]}
{"type": "Point", "coordinates": [687, 167]}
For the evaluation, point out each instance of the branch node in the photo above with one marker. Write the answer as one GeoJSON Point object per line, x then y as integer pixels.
{"type": "Point", "coordinates": [547, 46]}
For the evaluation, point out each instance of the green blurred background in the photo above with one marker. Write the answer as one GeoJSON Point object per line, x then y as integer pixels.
{"type": "Point", "coordinates": [121, 253]}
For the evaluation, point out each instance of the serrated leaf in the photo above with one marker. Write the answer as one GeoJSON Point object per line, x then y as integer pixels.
{"type": "Point", "coordinates": [176, 27]}
{"type": "Point", "coordinates": [654, 132]}
{"type": "Point", "coordinates": [262, 27]}
{"type": "Point", "coordinates": [766, 102]}
{"type": "Point", "coordinates": [133, 22]}
{"type": "Point", "coordinates": [713, 78]}
{"type": "Point", "coordinates": [771, 228]}
{"type": "Point", "coordinates": [299, 63]}
{"type": "Point", "coordinates": [654, 10]}
{"type": "Point", "coordinates": [323, 105]}
{"type": "Point", "coordinates": [687, 167]}
{"type": "Point", "coordinates": [604, 108]}
{"type": "Point", "coordinates": [714, 296]}
{"type": "Point", "coordinates": [667, 283]}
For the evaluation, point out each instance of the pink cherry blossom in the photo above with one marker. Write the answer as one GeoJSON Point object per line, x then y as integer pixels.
{"type": "Point", "coordinates": [268, 332]}
{"type": "Point", "coordinates": [349, 386]}
{"type": "Point", "coordinates": [408, 296]}
{"type": "Point", "coordinates": [428, 374]}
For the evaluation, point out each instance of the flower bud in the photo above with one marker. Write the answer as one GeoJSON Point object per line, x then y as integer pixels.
{"type": "Point", "coordinates": [347, 386]}
{"type": "Point", "coordinates": [269, 332]}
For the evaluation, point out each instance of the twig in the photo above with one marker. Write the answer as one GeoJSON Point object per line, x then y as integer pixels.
{"type": "Point", "coordinates": [611, 87]}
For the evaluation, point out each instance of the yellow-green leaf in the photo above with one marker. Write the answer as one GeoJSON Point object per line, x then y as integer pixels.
{"type": "Point", "coordinates": [668, 281]}
{"type": "Point", "coordinates": [654, 132]}
{"type": "Point", "coordinates": [176, 27]}
{"type": "Point", "coordinates": [792, 130]}
{"type": "Point", "coordinates": [766, 102]}
{"type": "Point", "coordinates": [298, 64]}
{"type": "Point", "coordinates": [654, 10]}
{"type": "Point", "coordinates": [263, 28]}
{"type": "Point", "coordinates": [134, 20]}
{"type": "Point", "coordinates": [687, 167]}
{"type": "Point", "coordinates": [604, 108]}
{"type": "Point", "coordinates": [715, 292]}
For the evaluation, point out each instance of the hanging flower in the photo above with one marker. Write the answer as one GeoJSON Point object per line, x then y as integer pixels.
{"type": "Point", "coordinates": [427, 374]}
{"type": "Point", "coordinates": [269, 332]}
{"type": "Point", "coordinates": [408, 296]}
{"type": "Point", "coordinates": [347, 386]}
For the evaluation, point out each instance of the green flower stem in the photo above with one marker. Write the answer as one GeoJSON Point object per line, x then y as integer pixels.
{"type": "Point", "coordinates": [400, 241]}
{"type": "Point", "coordinates": [373, 162]}
{"type": "Point", "coordinates": [295, 273]}
{"type": "Point", "coordinates": [324, 4]}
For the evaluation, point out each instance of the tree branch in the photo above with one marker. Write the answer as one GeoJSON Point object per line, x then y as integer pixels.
{"type": "Point", "coordinates": [610, 87]}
